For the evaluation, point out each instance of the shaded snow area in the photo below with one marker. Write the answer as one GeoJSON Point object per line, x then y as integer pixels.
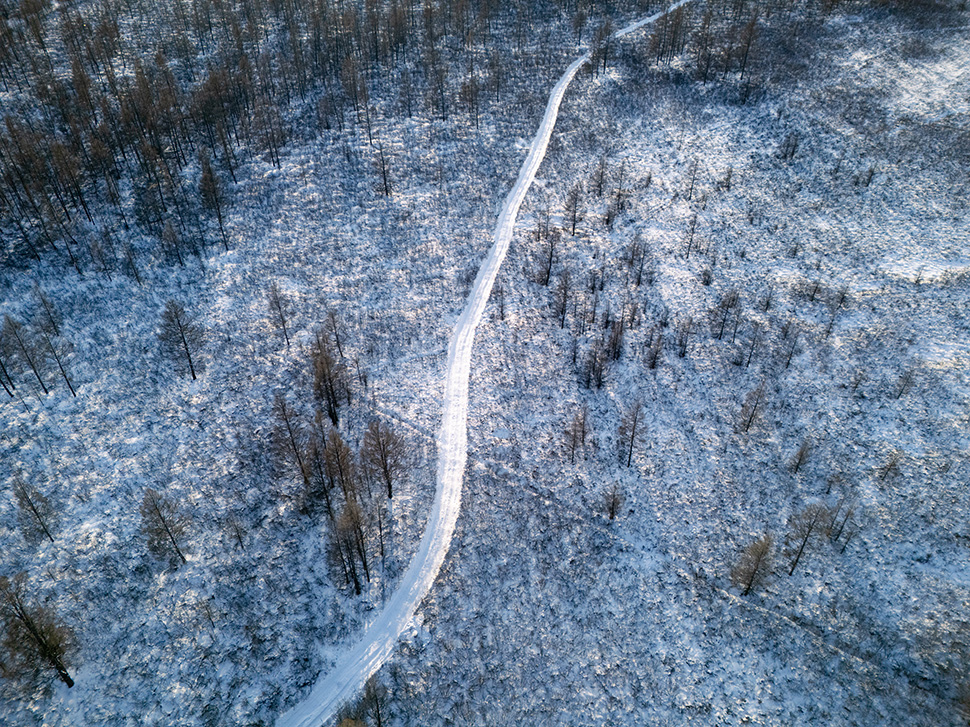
{"type": "Point", "coordinates": [852, 306]}
{"type": "Point", "coordinates": [220, 639]}
{"type": "Point", "coordinates": [236, 634]}
{"type": "Point", "coordinates": [775, 266]}
{"type": "Point", "coordinates": [352, 671]}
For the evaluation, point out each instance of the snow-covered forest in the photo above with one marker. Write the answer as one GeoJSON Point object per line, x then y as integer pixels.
{"type": "Point", "coordinates": [719, 416]}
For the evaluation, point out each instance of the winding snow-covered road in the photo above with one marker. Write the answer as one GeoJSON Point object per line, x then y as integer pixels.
{"type": "Point", "coordinates": [356, 666]}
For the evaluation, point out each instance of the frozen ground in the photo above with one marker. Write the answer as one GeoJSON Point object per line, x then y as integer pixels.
{"type": "Point", "coordinates": [350, 674]}
{"type": "Point", "coordinates": [547, 612]}
{"type": "Point", "coordinates": [544, 610]}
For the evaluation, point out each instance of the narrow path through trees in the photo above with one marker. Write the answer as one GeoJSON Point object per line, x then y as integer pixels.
{"type": "Point", "coordinates": [358, 664]}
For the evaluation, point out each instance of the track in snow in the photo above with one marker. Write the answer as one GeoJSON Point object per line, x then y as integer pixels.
{"type": "Point", "coordinates": [356, 666]}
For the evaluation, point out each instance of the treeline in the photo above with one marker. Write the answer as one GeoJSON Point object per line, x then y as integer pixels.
{"type": "Point", "coordinates": [138, 113]}
{"type": "Point", "coordinates": [120, 114]}
{"type": "Point", "coordinates": [114, 113]}
{"type": "Point", "coordinates": [716, 40]}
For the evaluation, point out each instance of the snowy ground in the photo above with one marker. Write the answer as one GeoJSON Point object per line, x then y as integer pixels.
{"type": "Point", "coordinates": [545, 611]}
{"type": "Point", "coordinates": [393, 271]}
{"type": "Point", "coordinates": [567, 618]}
{"type": "Point", "coordinates": [349, 676]}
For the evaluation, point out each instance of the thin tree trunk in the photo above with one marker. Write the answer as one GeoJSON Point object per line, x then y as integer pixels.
{"type": "Point", "coordinates": [30, 360]}
{"type": "Point", "coordinates": [801, 548]}
{"type": "Point", "coordinates": [168, 532]}
{"type": "Point", "coordinates": [33, 508]}
{"type": "Point", "coordinates": [754, 573]}
{"type": "Point", "coordinates": [185, 345]}
{"type": "Point", "coordinates": [50, 345]}
{"type": "Point", "coordinates": [46, 650]}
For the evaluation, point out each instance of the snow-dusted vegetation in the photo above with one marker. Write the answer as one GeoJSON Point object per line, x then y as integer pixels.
{"type": "Point", "coordinates": [718, 422]}
{"type": "Point", "coordinates": [799, 375]}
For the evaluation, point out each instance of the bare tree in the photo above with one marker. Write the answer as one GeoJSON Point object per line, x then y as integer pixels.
{"type": "Point", "coordinates": [8, 385]}
{"type": "Point", "coordinates": [348, 545]}
{"type": "Point", "coordinates": [236, 529]}
{"type": "Point", "coordinates": [339, 464]}
{"type": "Point", "coordinates": [49, 318]}
{"type": "Point", "coordinates": [905, 382]}
{"type": "Point", "coordinates": [131, 263]}
{"type": "Point", "coordinates": [692, 179]}
{"type": "Point", "coordinates": [353, 515]}
{"type": "Point", "coordinates": [279, 308]}
{"type": "Point", "coordinates": [752, 403]}
{"type": "Point", "coordinates": [576, 433]}
{"type": "Point", "coordinates": [788, 147]}
{"type": "Point", "coordinates": [748, 35]}
{"type": "Point", "coordinates": [754, 564]}
{"type": "Point", "coordinates": [561, 300]}
{"type": "Point", "coordinates": [683, 336]}
{"type": "Point", "coordinates": [613, 500]}
{"type": "Point", "coordinates": [172, 243]}
{"type": "Point", "coordinates": [654, 347]}
{"type": "Point", "coordinates": [329, 378]}
{"type": "Point", "coordinates": [34, 511]}
{"type": "Point", "coordinates": [690, 234]}
{"type": "Point", "coordinates": [631, 431]}
{"type": "Point", "coordinates": [499, 293]}
{"type": "Point", "coordinates": [891, 464]}
{"type": "Point", "coordinates": [383, 166]}
{"type": "Point", "coordinates": [353, 714]}
{"type": "Point", "coordinates": [289, 436]}
{"type": "Point", "coordinates": [163, 524]}
{"type": "Point", "coordinates": [765, 303]}
{"type": "Point", "coordinates": [614, 344]}
{"type": "Point", "coordinates": [809, 521]}
{"type": "Point", "coordinates": [846, 509]}
{"type": "Point", "coordinates": [729, 301]}
{"type": "Point", "coordinates": [179, 334]}
{"type": "Point", "coordinates": [34, 638]}
{"type": "Point", "coordinates": [638, 258]}
{"type": "Point", "coordinates": [210, 190]}
{"type": "Point", "coordinates": [601, 45]}
{"type": "Point", "coordinates": [594, 367]}
{"type": "Point", "coordinates": [549, 253]}
{"type": "Point", "coordinates": [21, 348]}
{"type": "Point", "coordinates": [572, 208]}
{"type": "Point", "coordinates": [792, 348]}
{"type": "Point", "coordinates": [102, 254]}
{"type": "Point", "coordinates": [579, 22]}
{"type": "Point", "coordinates": [340, 552]}
{"type": "Point", "coordinates": [755, 339]}
{"type": "Point", "coordinates": [599, 177]}
{"type": "Point", "coordinates": [57, 351]}
{"type": "Point", "coordinates": [375, 701]}
{"type": "Point", "coordinates": [321, 484]}
{"type": "Point", "coordinates": [801, 456]}
{"type": "Point", "coordinates": [334, 327]}
{"type": "Point", "coordinates": [383, 454]}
